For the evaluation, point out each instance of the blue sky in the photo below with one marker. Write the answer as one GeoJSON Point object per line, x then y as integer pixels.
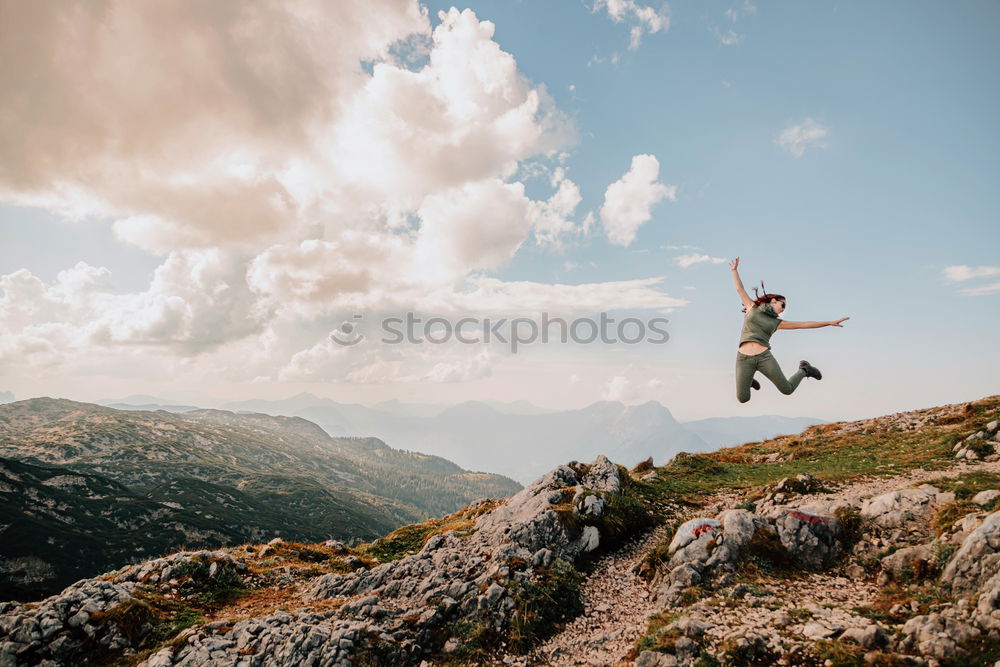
{"type": "Point", "coordinates": [861, 221]}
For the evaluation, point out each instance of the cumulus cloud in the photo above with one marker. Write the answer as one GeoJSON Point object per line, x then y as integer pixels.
{"type": "Point", "coordinates": [449, 245]}
{"type": "Point", "coordinates": [190, 149]}
{"type": "Point", "coordinates": [196, 300]}
{"type": "Point", "coordinates": [281, 182]}
{"type": "Point", "coordinates": [797, 138]}
{"type": "Point", "coordinates": [642, 19]}
{"type": "Point", "coordinates": [628, 202]}
{"type": "Point", "coordinates": [550, 219]}
{"type": "Point", "coordinates": [258, 127]}
{"type": "Point", "coordinates": [685, 261]}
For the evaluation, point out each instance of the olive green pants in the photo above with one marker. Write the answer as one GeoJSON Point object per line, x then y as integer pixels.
{"type": "Point", "coordinates": [748, 364]}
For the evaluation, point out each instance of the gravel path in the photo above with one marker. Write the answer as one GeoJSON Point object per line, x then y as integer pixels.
{"type": "Point", "coordinates": [616, 606]}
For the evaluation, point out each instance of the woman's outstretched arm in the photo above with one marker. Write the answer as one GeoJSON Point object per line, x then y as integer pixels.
{"type": "Point", "coordinates": [785, 324]}
{"type": "Point", "coordinates": [744, 297]}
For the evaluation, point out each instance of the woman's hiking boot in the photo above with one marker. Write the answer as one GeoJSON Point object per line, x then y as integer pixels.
{"type": "Point", "coordinates": [810, 370]}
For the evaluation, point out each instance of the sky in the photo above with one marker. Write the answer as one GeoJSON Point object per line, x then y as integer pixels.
{"type": "Point", "coordinates": [199, 200]}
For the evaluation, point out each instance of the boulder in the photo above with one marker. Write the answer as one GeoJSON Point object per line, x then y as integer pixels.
{"type": "Point", "coordinates": [897, 509]}
{"type": "Point", "coordinates": [700, 529]}
{"type": "Point", "coordinates": [603, 475]}
{"type": "Point", "coordinates": [703, 547]}
{"type": "Point", "coordinates": [870, 637]}
{"type": "Point", "coordinates": [976, 561]}
{"type": "Point", "coordinates": [738, 530]}
{"type": "Point", "coordinates": [962, 528]}
{"type": "Point", "coordinates": [985, 497]}
{"type": "Point", "coordinates": [915, 559]}
{"type": "Point", "coordinates": [937, 635]}
{"type": "Point", "coordinates": [814, 540]}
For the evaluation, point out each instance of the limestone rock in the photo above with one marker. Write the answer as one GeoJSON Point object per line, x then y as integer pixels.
{"type": "Point", "coordinates": [985, 497]}
{"type": "Point", "coordinates": [899, 508]}
{"type": "Point", "coordinates": [976, 561]}
{"type": "Point", "coordinates": [814, 540]}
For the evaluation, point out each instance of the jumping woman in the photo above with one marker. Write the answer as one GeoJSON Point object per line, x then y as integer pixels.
{"type": "Point", "coordinates": [754, 352]}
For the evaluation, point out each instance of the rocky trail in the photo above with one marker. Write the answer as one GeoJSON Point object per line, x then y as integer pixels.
{"type": "Point", "coordinates": [617, 601]}
{"type": "Point", "coordinates": [616, 605]}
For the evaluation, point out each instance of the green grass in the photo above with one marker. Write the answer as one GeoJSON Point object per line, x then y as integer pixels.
{"type": "Point", "coordinates": [149, 621]}
{"type": "Point", "coordinates": [823, 452]}
{"type": "Point", "coordinates": [411, 539]}
{"type": "Point", "coordinates": [969, 484]}
{"type": "Point", "coordinates": [839, 654]}
{"type": "Point", "coordinates": [209, 592]}
{"type": "Point", "coordinates": [657, 637]}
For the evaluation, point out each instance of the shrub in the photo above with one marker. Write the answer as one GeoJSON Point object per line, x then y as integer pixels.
{"type": "Point", "coordinates": [853, 523]}
{"type": "Point", "coordinates": [542, 604]}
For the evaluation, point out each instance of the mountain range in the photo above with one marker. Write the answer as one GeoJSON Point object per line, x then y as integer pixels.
{"type": "Point", "coordinates": [522, 441]}
{"type": "Point", "coordinates": [84, 486]}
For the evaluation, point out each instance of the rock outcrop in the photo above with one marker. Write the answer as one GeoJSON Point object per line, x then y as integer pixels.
{"type": "Point", "coordinates": [455, 586]}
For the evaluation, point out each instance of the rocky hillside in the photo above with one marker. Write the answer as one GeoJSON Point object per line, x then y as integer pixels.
{"type": "Point", "coordinates": [86, 488]}
{"type": "Point", "coordinates": [873, 542]}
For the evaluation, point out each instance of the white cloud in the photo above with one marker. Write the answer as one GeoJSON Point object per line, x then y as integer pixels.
{"type": "Point", "coordinates": [478, 366]}
{"type": "Point", "coordinates": [735, 13]}
{"type": "Point", "coordinates": [797, 138]}
{"type": "Point", "coordinates": [961, 272]}
{"type": "Point", "coordinates": [983, 290]}
{"type": "Point", "coordinates": [685, 261]}
{"type": "Point", "coordinates": [196, 300]}
{"type": "Point", "coordinates": [259, 128]}
{"type": "Point", "coordinates": [550, 219]}
{"type": "Point", "coordinates": [728, 38]}
{"type": "Point", "coordinates": [619, 388]}
{"type": "Point", "coordinates": [642, 19]}
{"type": "Point", "coordinates": [322, 361]}
{"type": "Point", "coordinates": [373, 272]}
{"type": "Point", "coordinates": [477, 226]}
{"type": "Point", "coordinates": [214, 127]}
{"type": "Point", "coordinates": [628, 202]}
{"type": "Point", "coordinates": [282, 183]}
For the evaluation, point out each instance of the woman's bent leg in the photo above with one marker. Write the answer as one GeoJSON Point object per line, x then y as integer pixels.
{"type": "Point", "coordinates": [772, 371]}
{"type": "Point", "coordinates": [746, 366]}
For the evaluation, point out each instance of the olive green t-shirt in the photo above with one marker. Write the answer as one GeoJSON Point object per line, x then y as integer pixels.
{"type": "Point", "coordinates": [758, 325]}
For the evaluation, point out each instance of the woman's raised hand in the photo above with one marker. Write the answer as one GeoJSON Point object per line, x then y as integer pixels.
{"type": "Point", "coordinates": [837, 323]}
{"type": "Point", "coordinates": [735, 264]}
